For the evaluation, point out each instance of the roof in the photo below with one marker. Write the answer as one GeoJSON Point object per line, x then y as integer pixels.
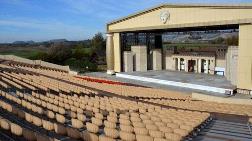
{"type": "Point", "coordinates": [165, 5]}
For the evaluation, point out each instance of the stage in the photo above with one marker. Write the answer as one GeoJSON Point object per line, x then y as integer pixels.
{"type": "Point", "coordinates": [201, 82]}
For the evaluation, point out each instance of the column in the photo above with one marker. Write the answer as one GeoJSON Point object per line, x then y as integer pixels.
{"type": "Point", "coordinates": [110, 54]}
{"type": "Point", "coordinates": [179, 65]}
{"type": "Point", "coordinates": [199, 65]}
{"type": "Point", "coordinates": [128, 61]}
{"type": "Point", "coordinates": [212, 66]}
{"type": "Point", "coordinates": [140, 57]}
{"type": "Point", "coordinates": [207, 66]}
{"type": "Point", "coordinates": [186, 65]}
{"type": "Point", "coordinates": [196, 66]}
{"type": "Point", "coordinates": [244, 67]}
{"type": "Point", "coordinates": [157, 59]}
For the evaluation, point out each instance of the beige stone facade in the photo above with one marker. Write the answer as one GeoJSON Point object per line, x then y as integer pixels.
{"type": "Point", "coordinates": [140, 58]}
{"type": "Point", "coordinates": [190, 16]}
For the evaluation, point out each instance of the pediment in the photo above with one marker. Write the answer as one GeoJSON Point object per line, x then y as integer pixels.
{"type": "Point", "coordinates": [178, 16]}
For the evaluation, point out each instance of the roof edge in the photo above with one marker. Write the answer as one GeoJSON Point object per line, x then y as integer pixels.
{"type": "Point", "coordinates": [174, 5]}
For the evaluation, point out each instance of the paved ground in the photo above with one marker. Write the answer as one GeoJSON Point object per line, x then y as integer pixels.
{"type": "Point", "coordinates": [220, 130]}
{"type": "Point", "coordinates": [165, 87]}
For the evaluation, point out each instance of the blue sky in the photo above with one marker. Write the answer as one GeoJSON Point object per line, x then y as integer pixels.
{"type": "Point", "coordinates": [41, 20]}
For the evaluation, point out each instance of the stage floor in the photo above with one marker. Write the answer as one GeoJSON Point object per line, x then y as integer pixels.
{"type": "Point", "coordinates": [185, 77]}
{"type": "Point", "coordinates": [205, 82]}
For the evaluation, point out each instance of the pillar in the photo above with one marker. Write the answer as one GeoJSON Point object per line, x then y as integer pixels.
{"type": "Point", "coordinates": [128, 61]}
{"type": "Point", "coordinates": [196, 66]}
{"type": "Point", "coordinates": [199, 65]}
{"type": "Point", "coordinates": [212, 66]}
{"type": "Point", "coordinates": [140, 57]}
{"type": "Point", "coordinates": [110, 54]}
{"type": "Point", "coordinates": [117, 52]}
{"type": "Point", "coordinates": [244, 69]}
{"type": "Point", "coordinates": [179, 69]}
{"type": "Point", "coordinates": [186, 65]}
{"type": "Point", "coordinates": [157, 59]}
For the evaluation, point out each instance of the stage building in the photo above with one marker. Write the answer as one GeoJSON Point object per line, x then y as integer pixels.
{"type": "Point", "coordinates": [134, 43]}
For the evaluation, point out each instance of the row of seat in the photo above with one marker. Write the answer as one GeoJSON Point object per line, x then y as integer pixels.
{"type": "Point", "coordinates": [244, 110]}
{"type": "Point", "coordinates": [125, 125]}
{"type": "Point", "coordinates": [95, 117]}
{"type": "Point", "coordinates": [124, 90]}
{"type": "Point", "coordinates": [93, 120]}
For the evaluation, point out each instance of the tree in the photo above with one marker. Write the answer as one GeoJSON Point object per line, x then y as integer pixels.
{"type": "Point", "coordinates": [98, 44]}
{"type": "Point", "coordinates": [232, 40]}
{"type": "Point", "coordinates": [58, 53]}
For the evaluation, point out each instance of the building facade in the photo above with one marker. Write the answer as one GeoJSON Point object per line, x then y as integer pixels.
{"type": "Point", "coordinates": [147, 25]}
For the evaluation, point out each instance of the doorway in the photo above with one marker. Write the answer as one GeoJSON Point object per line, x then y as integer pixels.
{"type": "Point", "coordinates": [191, 65]}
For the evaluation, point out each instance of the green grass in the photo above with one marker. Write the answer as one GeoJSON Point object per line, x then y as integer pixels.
{"type": "Point", "coordinates": [21, 53]}
{"type": "Point", "coordinates": [86, 50]}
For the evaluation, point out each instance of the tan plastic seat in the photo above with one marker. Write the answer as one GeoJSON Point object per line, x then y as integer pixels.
{"type": "Point", "coordinates": [80, 111]}
{"type": "Point", "coordinates": [73, 133]}
{"type": "Point", "coordinates": [112, 133]}
{"type": "Point", "coordinates": [181, 132]}
{"type": "Point", "coordinates": [40, 137]}
{"type": "Point", "coordinates": [48, 125]}
{"type": "Point", "coordinates": [186, 127]}
{"type": "Point", "coordinates": [173, 137]}
{"type": "Point", "coordinates": [60, 118]}
{"type": "Point", "coordinates": [36, 121]}
{"type": "Point", "coordinates": [99, 116]}
{"type": "Point", "coordinates": [16, 129]}
{"type": "Point", "coordinates": [127, 136]}
{"type": "Point", "coordinates": [28, 117]}
{"type": "Point", "coordinates": [160, 139]}
{"type": "Point", "coordinates": [60, 129]}
{"type": "Point", "coordinates": [81, 117]}
{"type": "Point", "coordinates": [165, 129]}
{"type": "Point", "coordinates": [138, 124]}
{"type": "Point", "coordinates": [50, 114]}
{"type": "Point", "coordinates": [126, 128]}
{"type": "Point", "coordinates": [143, 138]}
{"type": "Point", "coordinates": [21, 114]}
{"type": "Point", "coordinates": [148, 122]}
{"type": "Point", "coordinates": [92, 127]}
{"type": "Point", "coordinates": [109, 124]}
{"type": "Point", "coordinates": [62, 110]}
{"type": "Point", "coordinates": [96, 121]}
{"type": "Point", "coordinates": [29, 135]}
{"type": "Point", "coordinates": [125, 121]}
{"type": "Point", "coordinates": [156, 134]}
{"type": "Point", "coordinates": [140, 131]}
{"type": "Point", "coordinates": [77, 123]}
{"type": "Point", "coordinates": [172, 125]}
{"type": "Point", "coordinates": [112, 119]}
{"type": "Point", "coordinates": [250, 120]}
{"type": "Point", "coordinates": [87, 136]}
{"type": "Point", "coordinates": [151, 127]}
{"type": "Point", "coordinates": [5, 124]}
{"type": "Point", "coordinates": [135, 119]}
{"type": "Point", "coordinates": [105, 138]}
{"type": "Point", "coordinates": [73, 114]}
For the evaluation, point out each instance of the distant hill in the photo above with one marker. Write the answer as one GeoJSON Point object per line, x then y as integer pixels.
{"type": "Point", "coordinates": [195, 37]}
{"type": "Point", "coordinates": [57, 40]}
{"type": "Point", "coordinates": [23, 42]}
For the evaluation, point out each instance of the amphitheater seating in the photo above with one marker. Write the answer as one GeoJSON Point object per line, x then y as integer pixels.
{"type": "Point", "coordinates": [76, 109]}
